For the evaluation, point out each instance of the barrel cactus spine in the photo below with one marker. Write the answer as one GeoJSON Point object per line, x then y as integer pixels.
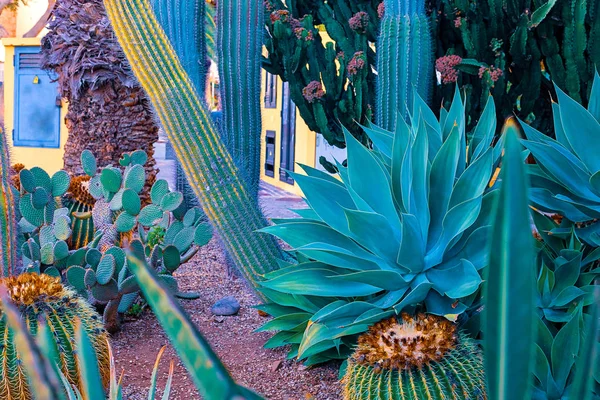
{"type": "Point", "coordinates": [418, 357]}
{"type": "Point", "coordinates": [41, 297]}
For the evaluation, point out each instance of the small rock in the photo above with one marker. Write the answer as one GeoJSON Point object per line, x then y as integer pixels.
{"type": "Point", "coordinates": [219, 318]}
{"type": "Point", "coordinates": [275, 365]}
{"type": "Point", "coordinates": [226, 306]}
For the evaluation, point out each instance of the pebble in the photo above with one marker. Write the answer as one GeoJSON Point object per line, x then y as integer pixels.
{"type": "Point", "coordinates": [226, 306]}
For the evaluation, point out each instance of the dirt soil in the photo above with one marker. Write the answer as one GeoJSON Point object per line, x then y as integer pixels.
{"type": "Point", "coordinates": [233, 338]}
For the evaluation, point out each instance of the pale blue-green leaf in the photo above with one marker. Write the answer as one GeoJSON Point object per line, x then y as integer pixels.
{"type": "Point", "coordinates": [457, 282]}
{"type": "Point", "coordinates": [374, 233]}
{"type": "Point", "coordinates": [442, 305]}
{"type": "Point", "coordinates": [412, 247]}
{"type": "Point", "coordinates": [310, 171]}
{"type": "Point", "coordinates": [387, 280]}
{"type": "Point", "coordinates": [594, 104]}
{"type": "Point", "coordinates": [402, 141]}
{"type": "Point", "coordinates": [369, 179]}
{"type": "Point", "coordinates": [415, 296]}
{"type": "Point", "coordinates": [509, 330]}
{"type": "Point", "coordinates": [443, 171]}
{"type": "Point", "coordinates": [484, 131]}
{"type": "Point", "coordinates": [565, 348]}
{"type": "Point", "coordinates": [420, 178]}
{"type": "Point", "coordinates": [473, 181]}
{"type": "Point", "coordinates": [581, 130]}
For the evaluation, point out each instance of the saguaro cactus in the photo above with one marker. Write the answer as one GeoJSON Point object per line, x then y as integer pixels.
{"type": "Point", "coordinates": [208, 165]}
{"type": "Point", "coordinates": [239, 47]}
{"type": "Point", "coordinates": [404, 59]}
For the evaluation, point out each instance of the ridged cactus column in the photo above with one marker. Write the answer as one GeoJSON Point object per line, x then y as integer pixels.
{"type": "Point", "coordinates": [239, 45]}
{"type": "Point", "coordinates": [183, 23]}
{"type": "Point", "coordinates": [207, 163]}
{"type": "Point", "coordinates": [8, 219]}
{"type": "Point", "coordinates": [404, 59]}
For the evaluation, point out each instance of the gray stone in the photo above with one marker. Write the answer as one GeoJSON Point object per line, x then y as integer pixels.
{"type": "Point", "coordinates": [226, 306]}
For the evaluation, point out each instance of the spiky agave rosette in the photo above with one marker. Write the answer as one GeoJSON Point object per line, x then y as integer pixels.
{"type": "Point", "coordinates": [422, 357]}
{"type": "Point", "coordinates": [405, 226]}
{"type": "Point", "coordinates": [44, 298]}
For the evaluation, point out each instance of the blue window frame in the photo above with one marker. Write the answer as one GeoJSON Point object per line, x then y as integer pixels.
{"type": "Point", "coordinates": [37, 104]}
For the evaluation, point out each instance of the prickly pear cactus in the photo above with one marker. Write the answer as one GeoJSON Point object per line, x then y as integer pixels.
{"type": "Point", "coordinates": [45, 226]}
{"type": "Point", "coordinates": [44, 298]}
{"type": "Point", "coordinates": [420, 357]}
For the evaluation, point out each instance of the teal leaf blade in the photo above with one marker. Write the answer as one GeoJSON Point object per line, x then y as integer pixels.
{"type": "Point", "coordinates": [509, 330]}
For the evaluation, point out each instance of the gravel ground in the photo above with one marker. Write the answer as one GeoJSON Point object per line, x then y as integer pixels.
{"type": "Point", "coordinates": [233, 338]}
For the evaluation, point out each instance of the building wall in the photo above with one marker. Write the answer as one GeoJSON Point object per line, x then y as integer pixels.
{"type": "Point", "coordinates": [305, 140]}
{"type": "Point", "coordinates": [49, 159]}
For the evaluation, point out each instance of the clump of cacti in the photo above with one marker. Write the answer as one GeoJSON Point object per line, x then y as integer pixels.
{"type": "Point", "coordinates": [415, 358]}
{"type": "Point", "coordinates": [42, 299]}
{"type": "Point", "coordinates": [516, 51]}
{"type": "Point", "coordinates": [341, 69]}
{"type": "Point", "coordinates": [209, 167]}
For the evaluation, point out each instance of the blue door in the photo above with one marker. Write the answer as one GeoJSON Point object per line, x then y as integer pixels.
{"type": "Point", "coordinates": [37, 104]}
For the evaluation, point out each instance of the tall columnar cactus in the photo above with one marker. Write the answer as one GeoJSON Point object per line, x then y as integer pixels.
{"type": "Point", "coordinates": [515, 49]}
{"type": "Point", "coordinates": [404, 59]}
{"type": "Point", "coordinates": [239, 47]}
{"type": "Point", "coordinates": [80, 203]}
{"type": "Point", "coordinates": [409, 358]}
{"type": "Point", "coordinates": [183, 23]}
{"type": "Point", "coordinates": [331, 82]}
{"type": "Point", "coordinates": [41, 298]}
{"type": "Point", "coordinates": [8, 218]}
{"type": "Point", "coordinates": [208, 165]}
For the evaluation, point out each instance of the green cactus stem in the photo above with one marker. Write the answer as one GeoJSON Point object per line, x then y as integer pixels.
{"type": "Point", "coordinates": [8, 218]}
{"type": "Point", "coordinates": [404, 60]}
{"type": "Point", "coordinates": [239, 46]}
{"type": "Point", "coordinates": [209, 167]}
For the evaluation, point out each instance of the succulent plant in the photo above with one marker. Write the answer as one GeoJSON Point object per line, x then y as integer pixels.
{"type": "Point", "coordinates": [41, 355]}
{"type": "Point", "coordinates": [80, 203]}
{"type": "Point", "coordinates": [405, 226]}
{"type": "Point", "coordinates": [421, 357]}
{"type": "Point", "coordinates": [564, 178]}
{"type": "Point", "coordinates": [41, 299]}
{"type": "Point", "coordinates": [208, 165]}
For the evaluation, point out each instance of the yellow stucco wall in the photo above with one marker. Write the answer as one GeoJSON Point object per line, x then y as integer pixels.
{"type": "Point", "coordinates": [305, 140]}
{"type": "Point", "coordinates": [49, 159]}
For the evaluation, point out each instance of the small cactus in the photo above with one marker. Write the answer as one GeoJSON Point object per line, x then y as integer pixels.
{"type": "Point", "coordinates": [418, 357]}
{"type": "Point", "coordinates": [80, 202]}
{"type": "Point", "coordinates": [44, 298]}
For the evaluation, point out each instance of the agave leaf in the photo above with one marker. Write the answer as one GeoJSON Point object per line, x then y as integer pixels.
{"type": "Point", "coordinates": [315, 173]}
{"type": "Point", "coordinates": [382, 139]}
{"type": "Point", "coordinates": [369, 180]}
{"type": "Point", "coordinates": [580, 130]}
{"type": "Point", "coordinates": [443, 171]}
{"type": "Point", "coordinates": [594, 104]}
{"type": "Point", "coordinates": [209, 375]}
{"type": "Point", "coordinates": [565, 348]}
{"type": "Point", "coordinates": [387, 280]}
{"type": "Point", "coordinates": [374, 232]}
{"type": "Point", "coordinates": [587, 365]}
{"type": "Point", "coordinates": [319, 194]}
{"type": "Point", "coordinates": [154, 377]}
{"type": "Point", "coordinates": [484, 131]}
{"type": "Point", "coordinates": [167, 391]}
{"type": "Point", "coordinates": [317, 282]}
{"type": "Point", "coordinates": [457, 282]}
{"type": "Point", "coordinates": [415, 296]}
{"type": "Point", "coordinates": [509, 322]}
{"type": "Point", "coordinates": [420, 178]}
{"type": "Point", "coordinates": [474, 180]}
{"type": "Point", "coordinates": [412, 248]}
{"type": "Point", "coordinates": [88, 365]}
{"type": "Point", "coordinates": [558, 128]}
{"type": "Point", "coordinates": [402, 140]}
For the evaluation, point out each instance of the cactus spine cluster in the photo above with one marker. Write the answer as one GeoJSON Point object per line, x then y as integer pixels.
{"type": "Point", "coordinates": [44, 298]}
{"type": "Point", "coordinates": [8, 218]}
{"type": "Point", "coordinates": [80, 203]}
{"type": "Point", "coordinates": [404, 59]}
{"type": "Point", "coordinates": [422, 357]}
{"type": "Point", "coordinates": [208, 165]}
{"type": "Point", "coordinates": [239, 47]}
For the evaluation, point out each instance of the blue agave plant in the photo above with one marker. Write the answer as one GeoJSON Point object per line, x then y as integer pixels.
{"type": "Point", "coordinates": [566, 177]}
{"type": "Point", "coordinates": [405, 226]}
